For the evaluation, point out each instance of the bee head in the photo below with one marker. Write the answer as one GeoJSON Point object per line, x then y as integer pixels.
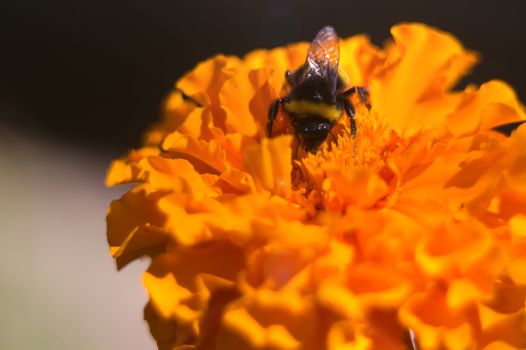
{"type": "Point", "coordinates": [312, 132]}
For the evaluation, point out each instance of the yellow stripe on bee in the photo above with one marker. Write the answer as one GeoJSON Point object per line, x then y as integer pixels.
{"type": "Point", "coordinates": [330, 112]}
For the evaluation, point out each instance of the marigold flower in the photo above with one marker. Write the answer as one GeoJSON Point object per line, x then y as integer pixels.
{"type": "Point", "coordinates": [422, 229]}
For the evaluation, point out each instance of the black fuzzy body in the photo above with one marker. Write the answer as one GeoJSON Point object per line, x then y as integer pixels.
{"type": "Point", "coordinates": [312, 129]}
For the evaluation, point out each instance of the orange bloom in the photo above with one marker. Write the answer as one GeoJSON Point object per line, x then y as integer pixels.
{"type": "Point", "coordinates": [423, 229]}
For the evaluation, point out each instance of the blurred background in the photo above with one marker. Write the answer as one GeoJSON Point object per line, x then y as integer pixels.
{"type": "Point", "coordinates": [81, 80]}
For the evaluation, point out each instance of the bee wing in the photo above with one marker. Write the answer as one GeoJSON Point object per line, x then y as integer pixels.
{"type": "Point", "coordinates": [324, 55]}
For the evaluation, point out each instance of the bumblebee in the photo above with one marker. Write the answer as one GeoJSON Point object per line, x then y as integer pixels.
{"type": "Point", "coordinates": [316, 98]}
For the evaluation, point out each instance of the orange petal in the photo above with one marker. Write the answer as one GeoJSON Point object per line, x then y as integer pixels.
{"type": "Point", "coordinates": [270, 320]}
{"type": "Point", "coordinates": [495, 103]}
{"type": "Point", "coordinates": [187, 228]}
{"type": "Point", "coordinates": [237, 181]}
{"type": "Point", "coordinates": [333, 262]}
{"type": "Point", "coordinates": [360, 187]}
{"type": "Point", "coordinates": [205, 156]}
{"type": "Point", "coordinates": [507, 297]}
{"type": "Point", "coordinates": [238, 219]}
{"type": "Point", "coordinates": [266, 91]}
{"type": "Point", "coordinates": [421, 66]}
{"type": "Point", "coordinates": [270, 164]}
{"type": "Point", "coordinates": [234, 98]}
{"type": "Point", "coordinates": [462, 293]}
{"type": "Point", "coordinates": [165, 331]}
{"type": "Point", "coordinates": [147, 240]}
{"type": "Point", "coordinates": [359, 59]}
{"type": "Point", "coordinates": [435, 325]}
{"type": "Point", "coordinates": [279, 60]}
{"type": "Point", "coordinates": [134, 225]}
{"type": "Point", "coordinates": [363, 290]}
{"type": "Point", "coordinates": [127, 170]}
{"type": "Point", "coordinates": [176, 112]}
{"type": "Point", "coordinates": [177, 282]}
{"type": "Point", "coordinates": [207, 78]}
{"type": "Point", "coordinates": [499, 345]}
{"type": "Point", "coordinates": [197, 124]}
{"type": "Point", "coordinates": [345, 335]}
{"type": "Point", "coordinates": [177, 175]}
{"type": "Point", "coordinates": [456, 249]}
{"type": "Point", "coordinates": [515, 175]}
{"type": "Point", "coordinates": [291, 248]}
{"type": "Point", "coordinates": [510, 327]}
{"type": "Point", "coordinates": [385, 236]}
{"type": "Point", "coordinates": [246, 99]}
{"type": "Point", "coordinates": [516, 270]}
{"type": "Point", "coordinates": [377, 286]}
{"type": "Point", "coordinates": [518, 228]}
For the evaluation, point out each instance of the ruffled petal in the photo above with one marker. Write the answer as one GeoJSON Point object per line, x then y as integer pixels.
{"type": "Point", "coordinates": [270, 320]}
{"type": "Point", "coordinates": [134, 225]}
{"type": "Point", "coordinates": [405, 82]}
{"type": "Point", "coordinates": [495, 103]}
{"type": "Point", "coordinates": [128, 170]}
{"type": "Point", "coordinates": [181, 283]}
{"type": "Point", "coordinates": [270, 164]}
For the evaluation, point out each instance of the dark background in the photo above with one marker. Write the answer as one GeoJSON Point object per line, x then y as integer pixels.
{"type": "Point", "coordinates": [92, 73]}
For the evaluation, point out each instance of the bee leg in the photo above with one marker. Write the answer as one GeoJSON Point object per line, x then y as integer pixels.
{"type": "Point", "coordinates": [289, 77]}
{"type": "Point", "coordinates": [364, 96]}
{"type": "Point", "coordinates": [272, 113]}
{"type": "Point", "coordinates": [362, 92]}
{"type": "Point", "coordinates": [188, 98]}
{"type": "Point", "coordinates": [349, 110]}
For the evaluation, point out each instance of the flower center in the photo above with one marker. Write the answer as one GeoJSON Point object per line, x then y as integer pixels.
{"type": "Point", "coordinates": [344, 167]}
